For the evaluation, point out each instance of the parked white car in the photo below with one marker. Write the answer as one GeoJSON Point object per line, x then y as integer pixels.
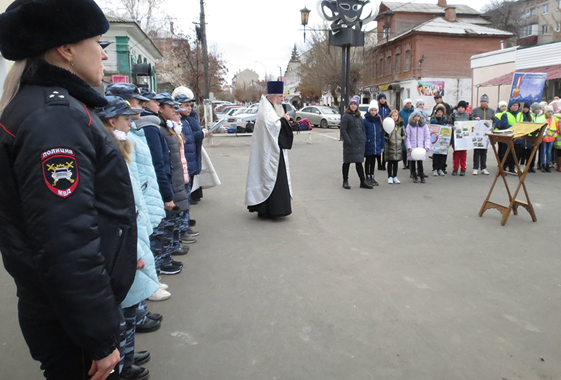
{"type": "Point", "coordinates": [322, 116]}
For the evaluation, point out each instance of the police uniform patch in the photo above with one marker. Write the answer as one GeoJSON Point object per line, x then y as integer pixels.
{"type": "Point", "coordinates": [60, 171]}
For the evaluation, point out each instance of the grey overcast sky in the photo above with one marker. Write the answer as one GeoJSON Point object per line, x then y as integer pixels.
{"type": "Point", "coordinates": [257, 35]}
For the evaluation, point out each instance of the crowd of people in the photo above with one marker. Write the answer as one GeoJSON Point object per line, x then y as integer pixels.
{"type": "Point", "coordinates": [365, 140]}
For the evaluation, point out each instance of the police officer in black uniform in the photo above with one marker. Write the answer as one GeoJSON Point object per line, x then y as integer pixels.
{"type": "Point", "coordinates": [67, 212]}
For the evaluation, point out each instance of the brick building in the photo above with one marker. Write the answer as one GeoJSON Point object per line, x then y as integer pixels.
{"type": "Point", "coordinates": [426, 48]}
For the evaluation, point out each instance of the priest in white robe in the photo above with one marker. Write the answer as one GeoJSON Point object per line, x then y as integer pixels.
{"type": "Point", "coordinates": [268, 191]}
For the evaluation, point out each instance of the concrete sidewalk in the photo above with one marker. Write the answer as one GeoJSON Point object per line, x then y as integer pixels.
{"type": "Point", "coordinates": [399, 282]}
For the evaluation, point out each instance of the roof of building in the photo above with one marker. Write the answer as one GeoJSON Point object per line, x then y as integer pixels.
{"type": "Point", "coordinates": [141, 35]}
{"type": "Point", "coordinates": [553, 72]}
{"type": "Point", "coordinates": [427, 8]}
{"type": "Point", "coordinates": [442, 26]}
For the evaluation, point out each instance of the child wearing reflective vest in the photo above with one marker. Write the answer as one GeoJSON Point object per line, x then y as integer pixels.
{"type": "Point", "coordinates": [550, 135]}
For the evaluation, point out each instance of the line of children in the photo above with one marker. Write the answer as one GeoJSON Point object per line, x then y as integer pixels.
{"type": "Point", "coordinates": [153, 147]}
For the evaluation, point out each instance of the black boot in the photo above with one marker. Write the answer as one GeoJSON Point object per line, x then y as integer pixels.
{"type": "Point", "coordinates": [547, 168]}
{"type": "Point", "coordinates": [365, 185]}
{"type": "Point", "coordinates": [135, 372]}
{"type": "Point", "coordinates": [346, 184]}
{"type": "Point", "coordinates": [415, 178]}
{"type": "Point", "coordinates": [531, 170]}
{"type": "Point", "coordinates": [543, 168]}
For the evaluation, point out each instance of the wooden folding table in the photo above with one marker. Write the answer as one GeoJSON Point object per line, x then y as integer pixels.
{"type": "Point", "coordinates": [534, 136]}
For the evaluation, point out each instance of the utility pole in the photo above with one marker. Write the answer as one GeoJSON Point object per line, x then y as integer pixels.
{"type": "Point", "coordinates": [205, 52]}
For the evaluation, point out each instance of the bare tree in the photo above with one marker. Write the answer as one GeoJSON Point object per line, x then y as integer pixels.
{"type": "Point", "coordinates": [320, 69]}
{"type": "Point", "coordinates": [148, 14]}
{"type": "Point", "coordinates": [183, 65]}
{"type": "Point", "coordinates": [506, 15]}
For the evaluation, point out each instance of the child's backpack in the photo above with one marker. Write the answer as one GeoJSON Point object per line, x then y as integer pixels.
{"type": "Point", "coordinates": [249, 127]}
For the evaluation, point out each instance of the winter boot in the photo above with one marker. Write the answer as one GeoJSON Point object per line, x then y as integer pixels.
{"type": "Point", "coordinates": [346, 185]}
{"type": "Point", "coordinates": [415, 178]}
{"type": "Point", "coordinates": [547, 168]}
{"type": "Point", "coordinates": [365, 185]}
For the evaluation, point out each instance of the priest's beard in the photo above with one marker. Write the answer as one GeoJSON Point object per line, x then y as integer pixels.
{"type": "Point", "coordinates": [279, 110]}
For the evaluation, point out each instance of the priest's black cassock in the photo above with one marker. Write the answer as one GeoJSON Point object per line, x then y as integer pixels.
{"type": "Point", "coordinates": [268, 190]}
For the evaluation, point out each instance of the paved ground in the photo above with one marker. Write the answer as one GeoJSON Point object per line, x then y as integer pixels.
{"type": "Point", "coordinates": [400, 282]}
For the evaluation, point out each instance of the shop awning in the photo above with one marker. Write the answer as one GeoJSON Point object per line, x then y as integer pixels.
{"type": "Point", "coordinates": [553, 72]}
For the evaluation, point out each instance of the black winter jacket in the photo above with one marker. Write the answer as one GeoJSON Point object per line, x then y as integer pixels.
{"type": "Point", "coordinates": [67, 215]}
{"type": "Point", "coordinates": [353, 134]}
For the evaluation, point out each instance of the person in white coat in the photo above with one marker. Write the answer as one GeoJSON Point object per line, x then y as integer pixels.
{"type": "Point", "coordinates": [268, 190]}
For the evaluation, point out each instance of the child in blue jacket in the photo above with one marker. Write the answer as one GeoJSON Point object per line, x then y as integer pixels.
{"type": "Point", "coordinates": [375, 141]}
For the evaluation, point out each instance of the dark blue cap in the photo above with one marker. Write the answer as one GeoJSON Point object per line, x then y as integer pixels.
{"type": "Point", "coordinates": [165, 98]}
{"type": "Point", "coordinates": [148, 94]}
{"type": "Point", "coordinates": [179, 109]}
{"type": "Point", "coordinates": [117, 106]}
{"type": "Point", "coordinates": [275, 87]}
{"type": "Point", "coordinates": [182, 98]}
{"type": "Point", "coordinates": [125, 91]}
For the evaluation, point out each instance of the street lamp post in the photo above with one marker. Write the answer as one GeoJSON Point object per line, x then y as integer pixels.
{"type": "Point", "coordinates": [265, 67]}
{"type": "Point", "coordinates": [304, 15]}
{"type": "Point", "coordinates": [345, 32]}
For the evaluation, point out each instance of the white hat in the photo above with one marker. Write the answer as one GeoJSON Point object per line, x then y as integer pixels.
{"type": "Point", "coordinates": [503, 103]}
{"type": "Point", "coordinates": [373, 104]}
{"type": "Point", "coordinates": [407, 101]}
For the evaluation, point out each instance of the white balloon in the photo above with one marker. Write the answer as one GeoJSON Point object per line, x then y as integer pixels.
{"type": "Point", "coordinates": [388, 124]}
{"type": "Point", "coordinates": [418, 154]}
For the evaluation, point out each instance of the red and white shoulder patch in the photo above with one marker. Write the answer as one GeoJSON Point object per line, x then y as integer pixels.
{"type": "Point", "coordinates": [60, 171]}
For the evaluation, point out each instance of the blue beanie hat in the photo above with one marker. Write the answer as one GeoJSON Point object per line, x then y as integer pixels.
{"type": "Point", "coordinates": [380, 96]}
{"type": "Point", "coordinates": [355, 99]}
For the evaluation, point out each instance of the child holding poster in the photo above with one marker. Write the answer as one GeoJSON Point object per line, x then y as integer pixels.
{"type": "Point", "coordinates": [460, 156]}
{"type": "Point", "coordinates": [393, 149]}
{"type": "Point", "coordinates": [418, 136]}
{"type": "Point", "coordinates": [439, 159]}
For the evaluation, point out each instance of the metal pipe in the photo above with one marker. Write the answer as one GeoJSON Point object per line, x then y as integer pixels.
{"type": "Point", "coordinates": [343, 86]}
{"type": "Point", "coordinates": [348, 78]}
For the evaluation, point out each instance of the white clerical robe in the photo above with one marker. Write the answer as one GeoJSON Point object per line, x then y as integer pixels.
{"type": "Point", "coordinates": [265, 154]}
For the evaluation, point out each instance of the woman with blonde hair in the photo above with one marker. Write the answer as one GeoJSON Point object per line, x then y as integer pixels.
{"type": "Point", "coordinates": [67, 211]}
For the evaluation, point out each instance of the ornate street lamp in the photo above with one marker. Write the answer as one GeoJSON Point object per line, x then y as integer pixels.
{"type": "Point", "coordinates": [305, 15]}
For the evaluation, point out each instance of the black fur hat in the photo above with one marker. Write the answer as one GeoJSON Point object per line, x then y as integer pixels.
{"type": "Point", "coordinates": [31, 27]}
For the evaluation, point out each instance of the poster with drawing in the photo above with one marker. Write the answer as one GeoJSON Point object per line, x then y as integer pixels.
{"type": "Point", "coordinates": [462, 135]}
{"type": "Point", "coordinates": [471, 134]}
{"type": "Point", "coordinates": [479, 136]}
{"type": "Point", "coordinates": [440, 136]}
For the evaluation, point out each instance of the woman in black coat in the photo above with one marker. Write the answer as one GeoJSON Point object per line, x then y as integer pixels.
{"type": "Point", "coordinates": [354, 141]}
{"type": "Point", "coordinates": [67, 212]}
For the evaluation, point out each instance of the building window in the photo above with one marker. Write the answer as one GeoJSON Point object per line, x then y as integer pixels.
{"type": "Point", "coordinates": [545, 8]}
{"type": "Point", "coordinates": [381, 68]}
{"type": "Point", "coordinates": [374, 69]}
{"type": "Point", "coordinates": [389, 65]}
{"type": "Point", "coordinates": [544, 29]}
{"type": "Point", "coordinates": [529, 30]}
{"type": "Point", "coordinates": [397, 63]}
{"type": "Point", "coordinates": [407, 60]}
